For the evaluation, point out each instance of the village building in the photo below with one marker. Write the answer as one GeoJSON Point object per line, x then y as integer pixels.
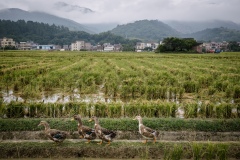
{"type": "Point", "coordinates": [29, 45]}
{"type": "Point", "coordinates": [140, 46]}
{"type": "Point", "coordinates": [77, 46]}
{"type": "Point", "coordinates": [7, 42]}
{"type": "Point", "coordinates": [46, 47]}
{"type": "Point", "coordinates": [215, 47]}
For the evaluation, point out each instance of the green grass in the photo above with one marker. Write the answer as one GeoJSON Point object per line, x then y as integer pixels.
{"type": "Point", "coordinates": [126, 124]}
{"type": "Point", "coordinates": [124, 150]}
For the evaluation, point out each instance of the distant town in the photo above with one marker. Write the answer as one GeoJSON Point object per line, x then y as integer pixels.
{"type": "Point", "coordinates": [209, 47]}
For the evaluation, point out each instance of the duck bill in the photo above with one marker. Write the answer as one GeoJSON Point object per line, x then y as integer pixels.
{"type": "Point", "coordinates": [90, 120]}
{"type": "Point", "coordinates": [72, 119]}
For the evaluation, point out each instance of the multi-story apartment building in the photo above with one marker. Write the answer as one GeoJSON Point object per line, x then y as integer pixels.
{"type": "Point", "coordinates": [215, 46]}
{"type": "Point", "coordinates": [77, 46]}
{"type": "Point", "coordinates": [7, 42]}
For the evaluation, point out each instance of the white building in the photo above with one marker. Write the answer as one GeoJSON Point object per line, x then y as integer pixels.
{"type": "Point", "coordinates": [29, 45]}
{"type": "Point", "coordinates": [46, 47]}
{"type": "Point", "coordinates": [141, 46]}
{"type": "Point", "coordinates": [108, 48]}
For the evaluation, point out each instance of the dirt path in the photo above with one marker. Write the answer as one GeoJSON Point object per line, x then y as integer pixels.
{"type": "Point", "coordinates": [116, 141]}
{"type": "Point", "coordinates": [163, 136]}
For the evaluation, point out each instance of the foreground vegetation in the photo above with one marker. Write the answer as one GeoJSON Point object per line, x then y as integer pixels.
{"type": "Point", "coordinates": [124, 150]}
{"type": "Point", "coordinates": [126, 124]}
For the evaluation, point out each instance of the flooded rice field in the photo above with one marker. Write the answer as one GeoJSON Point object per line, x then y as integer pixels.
{"type": "Point", "coordinates": [11, 96]}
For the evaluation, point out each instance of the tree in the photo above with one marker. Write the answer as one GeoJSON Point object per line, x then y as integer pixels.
{"type": "Point", "coordinates": [233, 46]}
{"type": "Point", "coordinates": [173, 44]}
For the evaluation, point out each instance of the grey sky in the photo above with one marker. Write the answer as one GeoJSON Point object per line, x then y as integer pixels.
{"type": "Point", "coordinates": [124, 11]}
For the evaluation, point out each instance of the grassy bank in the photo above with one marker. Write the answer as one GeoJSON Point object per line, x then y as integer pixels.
{"type": "Point", "coordinates": [161, 150]}
{"type": "Point", "coordinates": [127, 124]}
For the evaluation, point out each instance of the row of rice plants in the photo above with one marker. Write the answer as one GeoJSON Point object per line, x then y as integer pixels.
{"type": "Point", "coordinates": [197, 151]}
{"type": "Point", "coordinates": [150, 92]}
{"type": "Point", "coordinates": [210, 110]}
{"type": "Point", "coordinates": [116, 110]}
{"type": "Point", "coordinates": [209, 151]}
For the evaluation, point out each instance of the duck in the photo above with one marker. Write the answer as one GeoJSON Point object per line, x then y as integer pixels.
{"type": "Point", "coordinates": [103, 133]}
{"type": "Point", "coordinates": [53, 134]}
{"type": "Point", "coordinates": [146, 132]}
{"type": "Point", "coordinates": [84, 131]}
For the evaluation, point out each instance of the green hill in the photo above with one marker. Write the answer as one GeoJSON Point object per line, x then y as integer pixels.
{"type": "Point", "coordinates": [216, 34]}
{"type": "Point", "coordinates": [145, 30]}
{"type": "Point", "coordinates": [42, 33]}
{"type": "Point", "coordinates": [15, 14]}
{"type": "Point", "coordinates": [188, 27]}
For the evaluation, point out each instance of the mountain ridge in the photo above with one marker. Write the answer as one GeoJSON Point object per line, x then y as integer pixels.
{"type": "Point", "coordinates": [187, 27]}
{"type": "Point", "coordinates": [68, 8]}
{"type": "Point", "coordinates": [216, 35]}
{"type": "Point", "coordinates": [145, 30]}
{"type": "Point", "coordinates": [15, 14]}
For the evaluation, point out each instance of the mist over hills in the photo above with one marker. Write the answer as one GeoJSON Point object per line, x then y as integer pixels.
{"type": "Point", "coordinates": [216, 35]}
{"type": "Point", "coordinates": [69, 8]}
{"type": "Point", "coordinates": [145, 30]}
{"type": "Point", "coordinates": [187, 27]}
{"type": "Point", "coordinates": [15, 14]}
{"type": "Point", "coordinates": [154, 30]}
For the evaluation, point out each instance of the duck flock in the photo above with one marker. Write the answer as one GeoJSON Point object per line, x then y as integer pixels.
{"type": "Point", "coordinates": [105, 135]}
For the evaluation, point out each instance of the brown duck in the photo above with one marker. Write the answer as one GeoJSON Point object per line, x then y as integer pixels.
{"type": "Point", "coordinates": [53, 134]}
{"type": "Point", "coordinates": [103, 133]}
{"type": "Point", "coordinates": [84, 131]}
{"type": "Point", "coordinates": [146, 132]}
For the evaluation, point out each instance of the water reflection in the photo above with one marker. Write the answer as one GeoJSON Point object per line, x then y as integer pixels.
{"type": "Point", "coordinates": [61, 98]}
{"type": "Point", "coordinates": [10, 96]}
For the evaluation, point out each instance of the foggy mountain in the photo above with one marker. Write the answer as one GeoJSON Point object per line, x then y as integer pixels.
{"type": "Point", "coordinates": [187, 27]}
{"type": "Point", "coordinates": [146, 30]}
{"type": "Point", "coordinates": [69, 8]}
{"type": "Point", "coordinates": [15, 14]}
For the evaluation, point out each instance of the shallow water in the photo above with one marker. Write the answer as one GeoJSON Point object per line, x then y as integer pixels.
{"type": "Point", "coordinates": [91, 98]}
{"type": "Point", "coordinates": [58, 97]}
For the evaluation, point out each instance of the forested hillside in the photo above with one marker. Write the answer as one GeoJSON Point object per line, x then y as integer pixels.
{"type": "Point", "coordinates": [188, 27]}
{"type": "Point", "coordinates": [15, 14]}
{"type": "Point", "coordinates": [51, 34]}
{"type": "Point", "coordinates": [216, 34]}
{"type": "Point", "coordinates": [146, 30]}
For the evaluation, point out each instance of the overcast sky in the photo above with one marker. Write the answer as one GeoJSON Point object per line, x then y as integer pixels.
{"type": "Point", "coordinates": [124, 11]}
